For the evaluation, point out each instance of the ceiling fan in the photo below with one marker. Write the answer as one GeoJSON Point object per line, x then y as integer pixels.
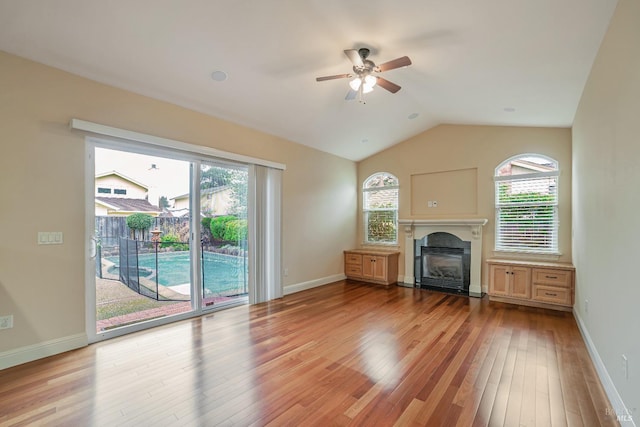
{"type": "Point", "coordinates": [364, 71]}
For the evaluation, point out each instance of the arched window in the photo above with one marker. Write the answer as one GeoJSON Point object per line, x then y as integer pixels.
{"type": "Point", "coordinates": [527, 204]}
{"type": "Point", "coordinates": [380, 207]}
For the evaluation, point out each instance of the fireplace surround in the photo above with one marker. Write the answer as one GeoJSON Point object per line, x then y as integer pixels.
{"type": "Point", "coordinates": [469, 230]}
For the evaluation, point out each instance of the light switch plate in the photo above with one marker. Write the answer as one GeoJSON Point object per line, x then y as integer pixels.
{"type": "Point", "coordinates": [50, 238]}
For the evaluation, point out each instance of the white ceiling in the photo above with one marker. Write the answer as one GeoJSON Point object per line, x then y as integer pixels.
{"type": "Point", "coordinates": [473, 60]}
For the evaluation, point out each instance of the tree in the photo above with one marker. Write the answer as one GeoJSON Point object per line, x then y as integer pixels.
{"type": "Point", "coordinates": [213, 177]}
{"type": "Point", "coordinates": [138, 223]}
{"type": "Point", "coordinates": [163, 202]}
{"type": "Point", "coordinates": [236, 179]}
{"type": "Point", "coordinates": [239, 180]}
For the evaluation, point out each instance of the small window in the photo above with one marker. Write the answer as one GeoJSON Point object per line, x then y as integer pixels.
{"type": "Point", "coordinates": [527, 204]}
{"type": "Point", "coordinates": [119, 191]}
{"type": "Point", "coordinates": [102, 190]}
{"type": "Point", "coordinates": [380, 208]}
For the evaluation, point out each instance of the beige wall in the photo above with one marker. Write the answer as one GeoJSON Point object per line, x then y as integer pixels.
{"type": "Point", "coordinates": [468, 154]}
{"type": "Point", "coordinates": [606, 200]}
{"type": "Point", "coordinates": [43, 286]}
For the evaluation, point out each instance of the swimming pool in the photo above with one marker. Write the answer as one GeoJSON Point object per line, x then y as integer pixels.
{"type": "Point", "coordinates": [223, 274]}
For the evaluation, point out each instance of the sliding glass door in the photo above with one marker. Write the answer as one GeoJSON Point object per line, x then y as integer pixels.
{"type": "Point", "coordinates": [170, 233]}
{"type": "Point", "coordinates": [224, 248]}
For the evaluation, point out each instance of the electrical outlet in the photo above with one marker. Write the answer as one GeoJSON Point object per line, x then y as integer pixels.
{"type": "Point", "coordinates": [625, 367]}
{"type": "Point", "coordinates": [586, 306]}
{"type": "Point", "coordinates": [286, 272]}
{"type": "Point", "coordinates": [429, 203]}
{"type": "Point", "coordinates": [6, 322]}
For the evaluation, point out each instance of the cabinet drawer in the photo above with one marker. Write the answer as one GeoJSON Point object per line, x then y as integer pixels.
{"type": "Point", "coordinates": [552, 277]}
{"type": "Point", "coordinates": [552, 294]}
{"type": "Point", "coordinates": [353, 259]}
{"type": "Point", "coordinates": [353, 270]}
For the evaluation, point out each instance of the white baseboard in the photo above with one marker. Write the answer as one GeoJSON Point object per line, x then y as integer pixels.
{"type": "Point", "coordinates": [33, 352]}
{"type": "Point", "coordinates": [619, 409]}
{"type": "Point", "coordinates": [291, 289]}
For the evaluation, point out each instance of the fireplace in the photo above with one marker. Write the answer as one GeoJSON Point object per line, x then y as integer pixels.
{"type": "Point", "coordinates": [443, 261]}
{"type": "Point", "coordinates": [467, 230]}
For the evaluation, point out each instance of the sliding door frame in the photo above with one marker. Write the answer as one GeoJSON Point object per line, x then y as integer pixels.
{"type": "Point", "coordinates": [126, 139]}
{"type": "Point", "coordinates": [195, 162]}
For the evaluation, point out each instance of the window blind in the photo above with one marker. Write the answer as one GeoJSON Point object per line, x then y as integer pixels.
{"type": "Point", "coordinates": [527, 213]}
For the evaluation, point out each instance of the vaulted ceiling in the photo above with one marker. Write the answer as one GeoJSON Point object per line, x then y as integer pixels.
{"type": "Point", "coordinates": [493, 62]}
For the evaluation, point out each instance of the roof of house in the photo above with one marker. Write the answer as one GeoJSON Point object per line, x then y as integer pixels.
{"type": "Point", "coordinates": [129, 205]}
{"type": "Point", "coordinates": [538, 167]}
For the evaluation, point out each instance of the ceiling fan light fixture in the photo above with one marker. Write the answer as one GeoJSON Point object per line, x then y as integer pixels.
{"type": "Point", "coordinates": [370, 81]}
{"type": "Point", "coordinates": [364, 76]}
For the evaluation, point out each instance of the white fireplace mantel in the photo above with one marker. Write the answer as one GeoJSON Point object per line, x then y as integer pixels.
{"type": "Point", "coordinates": [465, 229]}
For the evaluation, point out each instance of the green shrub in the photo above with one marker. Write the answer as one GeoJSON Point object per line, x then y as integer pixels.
{"type": "Point", "coordinates": [236, 230]}
{"type": "Point", "coordinates": [229, 228]}
{"type": "Point", "coordinates": [173, 241]}
{"type": "Point", "coordinates": [219, 225]}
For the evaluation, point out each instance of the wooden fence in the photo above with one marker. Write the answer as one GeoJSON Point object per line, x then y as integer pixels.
{"type": "Point", "coordinates": [110, 228]}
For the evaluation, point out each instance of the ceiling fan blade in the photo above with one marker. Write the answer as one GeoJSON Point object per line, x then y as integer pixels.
{"type": "Point", "coordinates": [351, 95]}
{"type": "Point", "coordinates": [396, 63]}
{"type": "Point", "coordinates": [386, 84]}
{"type": "Point", "coordinates": [337, 76]}
{"type": "Point", "coordinates": [354, 57]}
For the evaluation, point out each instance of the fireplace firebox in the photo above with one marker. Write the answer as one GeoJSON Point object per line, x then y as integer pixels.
{"type": "Point", "coordinates": [443, 262]}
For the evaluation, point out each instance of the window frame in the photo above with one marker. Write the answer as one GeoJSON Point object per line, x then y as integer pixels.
{"type": "Point", "coordinates": [366, 189]}
{"type": "Point", "coordinates": [554, 248]}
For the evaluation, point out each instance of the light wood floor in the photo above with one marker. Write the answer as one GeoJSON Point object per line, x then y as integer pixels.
{"type": "Point", "coordinates": [342, 354]}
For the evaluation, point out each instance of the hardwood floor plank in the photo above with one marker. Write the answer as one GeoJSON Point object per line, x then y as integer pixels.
{"type": "Point", "coordinates": [483, 415]}
{"type": "Point", "coordinates": [343, 354]}
{"type": "Point", "coordinates": [514, 401]}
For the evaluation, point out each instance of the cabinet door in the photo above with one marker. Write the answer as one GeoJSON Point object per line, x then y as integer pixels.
{"type": "Point", "coordinates": [499, 280]}
{"type": "Point", "coordinates": [368, 266]}
{"type": "Point", "coordinates": [380, 268]}
{"type": "Point", "coordinates": [521, 282]}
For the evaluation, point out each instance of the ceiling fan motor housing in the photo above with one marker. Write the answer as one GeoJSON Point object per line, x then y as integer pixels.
{"type": "Point", "coordinates": [364, 53]}
{"type": "Point", "coordinates": [367, 66]}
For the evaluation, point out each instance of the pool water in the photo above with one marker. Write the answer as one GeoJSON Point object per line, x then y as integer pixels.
{"type": "Point", "coordinates": [221, 273]}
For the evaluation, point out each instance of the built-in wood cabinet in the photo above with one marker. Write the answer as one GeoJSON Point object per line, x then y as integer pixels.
{"type": "Point", "coordinates": [371, 266]}
{"type": "Point", "coordinates": [510, 281]}
{"type": "Point", "coordinates": [539, 284]}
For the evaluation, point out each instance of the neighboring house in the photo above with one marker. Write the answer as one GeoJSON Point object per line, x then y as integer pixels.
{"type": "Point", "coordinates": [213, 201]}
{"type": "Point", "coordinates": [119, 195]}
{"type": "Point", "coordinates": [520, 167]}
{"type": "Point", "coordinates": [524, 167]}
